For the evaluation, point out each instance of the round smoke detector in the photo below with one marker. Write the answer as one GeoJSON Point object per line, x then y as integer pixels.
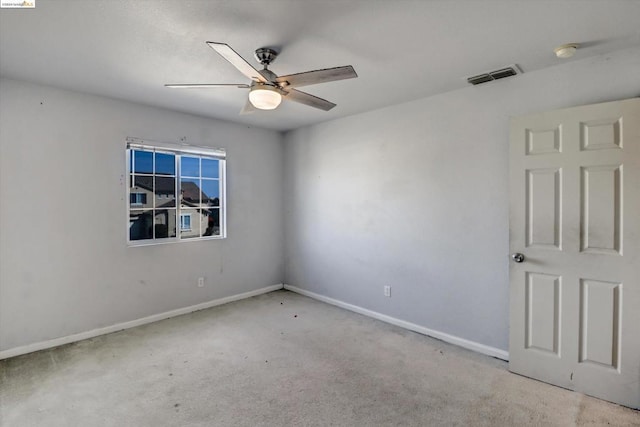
{"type": "Point", "coordinates": [566, 50]}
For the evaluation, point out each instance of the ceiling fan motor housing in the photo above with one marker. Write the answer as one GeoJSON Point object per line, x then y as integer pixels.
{"type": "Point", "coordinates": [265, 55]}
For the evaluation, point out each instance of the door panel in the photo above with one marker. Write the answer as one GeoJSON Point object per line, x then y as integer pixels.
{"type": "Point", "coordinates": [600, 323]}
{"type": "Point", "coordinates": [575, 216]}
{"type": "Point", "coordinates": [543, 207]}
{"type": "Point", "coordinates": [543, 141]}
{"type": "Point", "coordinates": [601, 134]}
{"type": "Point", "coordinates": [542, 305]}
{"type": "Point", "coordinates": [600, 211]}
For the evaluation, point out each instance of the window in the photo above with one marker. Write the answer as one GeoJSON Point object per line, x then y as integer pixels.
{"type": "Point", "coordinates": [185, 222]}
{"type": "Point", "coordinates": [138, 199]}
{"type": "Point", "coordinates": [175, 192]}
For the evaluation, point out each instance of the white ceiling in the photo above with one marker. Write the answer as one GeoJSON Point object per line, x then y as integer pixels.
{"type": "Point", "coordinates": [402, 50]}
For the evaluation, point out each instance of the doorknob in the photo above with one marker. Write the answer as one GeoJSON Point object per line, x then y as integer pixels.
{"type": "Point", "coordinates": [518, 257]}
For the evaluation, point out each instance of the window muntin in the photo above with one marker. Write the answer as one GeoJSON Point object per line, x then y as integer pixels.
{"type": "Point", "coordinates": [174, 194]}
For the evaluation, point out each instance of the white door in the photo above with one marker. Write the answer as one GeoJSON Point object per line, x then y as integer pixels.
{"type": "Point", "coordinates": [575, 219]}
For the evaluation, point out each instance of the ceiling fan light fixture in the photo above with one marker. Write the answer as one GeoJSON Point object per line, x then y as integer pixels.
{"type": "Point", "coordinates": [264, 97]}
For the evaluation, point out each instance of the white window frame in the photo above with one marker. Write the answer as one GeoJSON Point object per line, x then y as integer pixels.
{"type": "Point", "coordinates": [178, 150]}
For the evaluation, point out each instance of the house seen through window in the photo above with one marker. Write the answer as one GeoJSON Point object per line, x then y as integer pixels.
{"type": "Point", "coordinates": [175, 192]}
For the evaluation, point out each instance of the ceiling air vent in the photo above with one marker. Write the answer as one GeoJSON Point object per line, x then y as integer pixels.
{"type": "Point", "coordinates": [509, 71]}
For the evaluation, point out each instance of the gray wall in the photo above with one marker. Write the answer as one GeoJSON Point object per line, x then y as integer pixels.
{"type": "Point", "coordinates": [416, 196]}
{"type": "Point", "coordinates": [64, 263]}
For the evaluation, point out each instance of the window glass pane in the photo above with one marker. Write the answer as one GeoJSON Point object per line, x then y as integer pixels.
{"type": "Point", "coordinates": [210, 168]}
{"type": "Point", "coordinates": [142, 182]}
{"type": "Point", "coordinates": [140, 224]}
{"type": "Point", "coordinates": [189, 223]}
{"type": "Point", "coordinates": [213, 223]}
{"type": "Point", "coordinates": [141, 192]}
{"type": "Point", "coordinates": [165, 164]}
{"type": "Point", "coordinates": [142, 161]}
{"type": "Point", "coordinates": [165, 223]}
{"type": "Point", "coordinates": [165, 191]}
{"type": "Point", "coordinates": [190, 191]}
{"type": "Point", "coordinates": [210, 192]}
{"type": "Point", "coordinates": [190, 166]}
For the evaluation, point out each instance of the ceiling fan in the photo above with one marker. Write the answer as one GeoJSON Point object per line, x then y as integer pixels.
{"type": "Point", "coordinates": [267, 90]}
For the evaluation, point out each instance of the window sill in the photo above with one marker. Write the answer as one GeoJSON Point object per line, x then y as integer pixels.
{"type": "Point", "coordinates": [150, 242]}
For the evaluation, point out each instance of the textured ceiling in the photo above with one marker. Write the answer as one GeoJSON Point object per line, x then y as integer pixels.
{"type": "Point", "coordinates": [402, 50]}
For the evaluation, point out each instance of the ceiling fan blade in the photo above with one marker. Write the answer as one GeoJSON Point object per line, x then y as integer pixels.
{"type": "Point", "coordinates": [206, 86]}
{"type": "Point", "coordinates": [237, 61]}
{"type": "Point", "coordinates": [248, 108]}
{"type": "Point", "coordinates": [318, 76]}
{"type": "Point", "coordinates": [307, 99]}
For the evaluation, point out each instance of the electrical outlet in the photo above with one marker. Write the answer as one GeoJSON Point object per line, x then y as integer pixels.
{"type": "Point", "coordinates": [387, 291]}
{"type": "Point", "coordinates": [200, 282]}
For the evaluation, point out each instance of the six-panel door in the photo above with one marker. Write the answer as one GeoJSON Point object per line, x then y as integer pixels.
{"type": "Point", "coordinates": [575, 215]}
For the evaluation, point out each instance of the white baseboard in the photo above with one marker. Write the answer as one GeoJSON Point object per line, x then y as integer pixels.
{"type": "Point", "coordinates": [43, 345]}
{"type": "Point", "coordinates": [471, 345]}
